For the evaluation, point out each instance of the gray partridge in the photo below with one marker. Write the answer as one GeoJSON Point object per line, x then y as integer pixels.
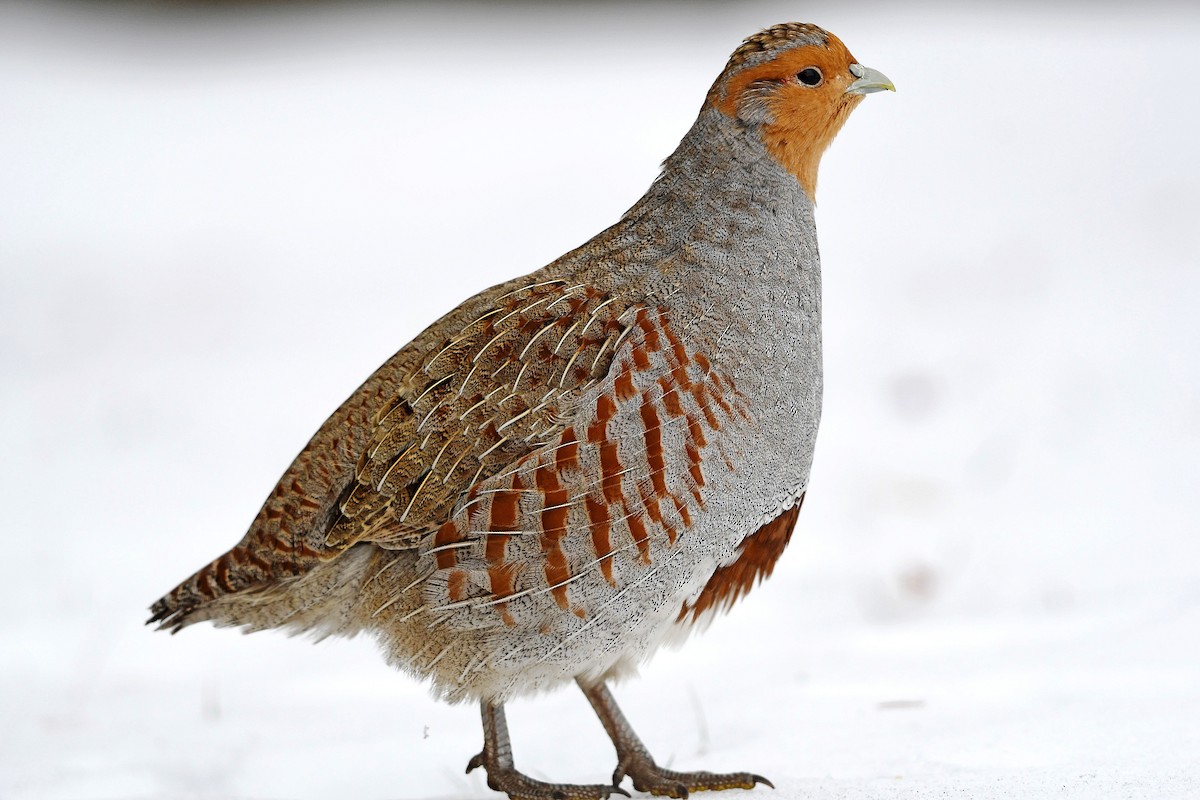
{"type": "Point", "coordinates": [577, 465]}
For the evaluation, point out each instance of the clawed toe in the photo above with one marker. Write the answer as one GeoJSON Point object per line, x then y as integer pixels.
{"type": "Point", "coordinates": [647, 776]}
{"type": "Point", "coordinates": [667, 783]}
{"type": "Point", "coordinates": [519, 786]}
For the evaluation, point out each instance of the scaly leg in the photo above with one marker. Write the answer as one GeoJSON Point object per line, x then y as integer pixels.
{"type": "Point", "coordinates": [502, 776]}
{"type": "Point", "coordinates": [634, 760]}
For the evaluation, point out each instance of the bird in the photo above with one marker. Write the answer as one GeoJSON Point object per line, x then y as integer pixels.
{"type": "Point", "coordinates": [580, 465]}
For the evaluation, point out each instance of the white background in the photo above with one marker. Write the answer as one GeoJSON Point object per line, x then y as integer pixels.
{"type": "Point", "coordinates": [215, 222]}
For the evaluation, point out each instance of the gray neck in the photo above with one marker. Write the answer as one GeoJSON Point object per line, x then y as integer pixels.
{"type": "Point", "coordinates": [721, 169]}
{"type": "Point", "coordinates": [722, 211]}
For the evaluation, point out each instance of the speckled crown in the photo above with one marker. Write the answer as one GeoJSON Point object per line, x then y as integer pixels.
{"type": "Point", "coordinates": [766, 44]}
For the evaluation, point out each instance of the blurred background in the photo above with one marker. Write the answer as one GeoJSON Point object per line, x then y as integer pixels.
{"type": "Point", "coordinates": [216, 220]}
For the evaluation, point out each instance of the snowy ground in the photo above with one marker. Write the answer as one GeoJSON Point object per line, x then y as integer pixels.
{"type": "Point", "coordinates": [214, 223]}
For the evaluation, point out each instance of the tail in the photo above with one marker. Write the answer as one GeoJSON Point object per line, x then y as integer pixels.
{"type": "Point", "coordinates": [321, 599]}
{"type": "Point", "coordinates": [239, 570]}
{"type": "Point", "coordinates": [288, 537]}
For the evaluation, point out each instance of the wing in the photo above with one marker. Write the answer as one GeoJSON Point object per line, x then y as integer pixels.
{"type": "Point", "coordinates": [496, 391]}
{"type": "Point", "coordinates": [482, 387]}
{"type": "Point", "coordinates": [603, 506]}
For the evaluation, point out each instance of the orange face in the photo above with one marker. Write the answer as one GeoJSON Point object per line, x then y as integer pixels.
{"type": "Point", "coordinates": [801, 93]}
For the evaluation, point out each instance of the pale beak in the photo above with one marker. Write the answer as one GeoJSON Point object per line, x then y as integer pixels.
{"type": "Point", "coordinates": [869, 80]}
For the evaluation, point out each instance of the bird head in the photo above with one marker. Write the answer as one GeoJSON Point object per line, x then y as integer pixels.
{"type": "Point", "coordinates": [793, 85]}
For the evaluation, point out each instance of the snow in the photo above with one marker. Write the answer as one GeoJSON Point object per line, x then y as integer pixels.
{"type": "Point", "coordinates": [215, 222]}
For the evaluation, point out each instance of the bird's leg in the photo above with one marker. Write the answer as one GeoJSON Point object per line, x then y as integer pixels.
{"type": "Point", "coordinates": [502, 776]}
{"type": "Point", "coordinates": [634, 760]}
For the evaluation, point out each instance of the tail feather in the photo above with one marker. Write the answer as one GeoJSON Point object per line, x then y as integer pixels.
{"type": "Point", "coordinates": [240, 570]}
{"type": "Point", "coordinates": [172, 610]}
{"type": "Point", "coordinates": [318, 600]}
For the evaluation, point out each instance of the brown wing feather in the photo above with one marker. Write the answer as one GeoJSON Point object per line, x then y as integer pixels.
{"type": "Point", "coordinates": [756, 559]}
{"type": "Point", "coordinates": [477, 390]}
{"type": "Point", "coordinates": [492, 394]}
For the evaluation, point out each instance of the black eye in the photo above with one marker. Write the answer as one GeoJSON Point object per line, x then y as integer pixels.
{"type": "Point", "coordinates": [809, 76]}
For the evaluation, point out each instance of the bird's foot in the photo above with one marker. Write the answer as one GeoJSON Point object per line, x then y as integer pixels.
{"type": "Point", "coordinates": [520, 786]}
{"type": "Point", "coordinates": [649, 777]}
